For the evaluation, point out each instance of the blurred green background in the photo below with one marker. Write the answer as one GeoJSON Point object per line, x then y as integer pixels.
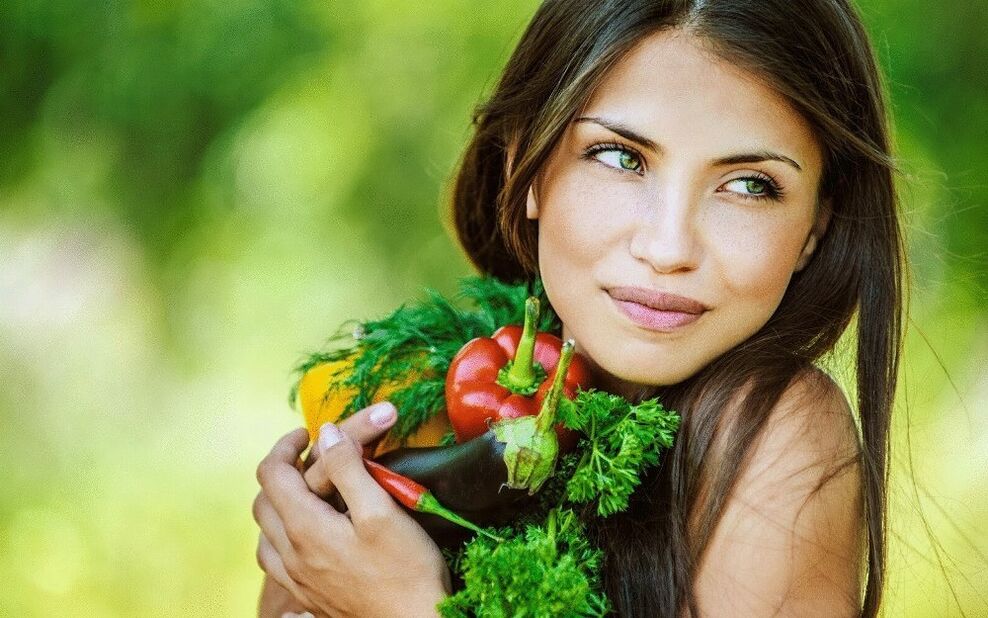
{"type": "Point", "coordinates": [193, 194]}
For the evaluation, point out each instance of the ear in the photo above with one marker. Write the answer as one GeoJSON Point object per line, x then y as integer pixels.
{"type": "Point", "coordinates": [531, 205]}
{"type": "Point", "coordinates": [816, 233]}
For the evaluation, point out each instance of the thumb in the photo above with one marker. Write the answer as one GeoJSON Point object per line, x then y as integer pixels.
{"type": "Point", "coordinates": [341, 466]}
{"type": "Point", "coordinates": [360, 429]}
{"type": "Point", "coordinates": [317, 476]}
{"type": "Point", "coordinates": [364, 427]}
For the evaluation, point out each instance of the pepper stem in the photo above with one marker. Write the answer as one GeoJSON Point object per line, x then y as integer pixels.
{"type": "Point", "coordinates": [546, 419]}
{"type": "Point", "coordinates": [521, 374]}
{"type": "Point", "coordinates": [429, 504]}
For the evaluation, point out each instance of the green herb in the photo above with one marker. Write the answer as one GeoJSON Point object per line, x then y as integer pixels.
{"type": "Point", "coordinates": [419, 340]}
{"type": "Point", "coordinates": [548, 567]}
{"type": "Point", "coordinates": [621, 440]}
{"type": "Point", "coordinates": [549, 570]}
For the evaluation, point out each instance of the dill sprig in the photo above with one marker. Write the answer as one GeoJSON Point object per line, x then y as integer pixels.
{"type": "Point", "coordinates": [546, 566]}
{"type": "Point", "coordinates": [414, 345]}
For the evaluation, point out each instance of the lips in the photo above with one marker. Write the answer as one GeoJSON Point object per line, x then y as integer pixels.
{"type": "Point", "coordinates": [660, 301]}
{"type": "Point", "coordinates": [656, 311]}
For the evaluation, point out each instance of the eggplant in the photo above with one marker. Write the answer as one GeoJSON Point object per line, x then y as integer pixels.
{"type": "Point", "coordinates": [469, 479]}
{"type": "Point", "coordinates": [488, 479]}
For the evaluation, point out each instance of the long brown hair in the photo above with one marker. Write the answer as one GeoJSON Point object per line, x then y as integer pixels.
{"type": "Point", "coordinates": [816, 54]}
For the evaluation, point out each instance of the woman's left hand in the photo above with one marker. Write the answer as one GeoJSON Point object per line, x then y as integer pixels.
{"type": "Point", "coordinates": [373, 560]}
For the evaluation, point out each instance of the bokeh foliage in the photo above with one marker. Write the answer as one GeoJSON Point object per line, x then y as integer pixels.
{"type": "Point", "coordinates": [193, 194]}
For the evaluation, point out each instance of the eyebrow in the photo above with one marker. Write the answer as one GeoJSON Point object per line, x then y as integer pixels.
{"type": "Point", "coordinates": [743, 157]}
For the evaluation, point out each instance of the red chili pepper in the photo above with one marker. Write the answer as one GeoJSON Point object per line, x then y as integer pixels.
{"type": "Point", "coordinates": [417, 497]}
{"type": "Point", "coordinates": [505, 376]}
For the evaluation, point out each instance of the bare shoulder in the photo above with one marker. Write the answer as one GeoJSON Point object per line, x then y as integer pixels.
{"type": "Point", "coordinates": [811, 426]}
{"type": "Point", "coordinates": [789, 541]}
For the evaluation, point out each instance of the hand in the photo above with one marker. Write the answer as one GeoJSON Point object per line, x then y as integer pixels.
{"type": "Point", "coordinates": [366, 427]}
{"type": "Point", "coordinates": [374, 560]}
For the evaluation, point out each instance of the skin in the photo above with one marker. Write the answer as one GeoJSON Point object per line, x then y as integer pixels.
{"type": "Point", "coordinates": [669, 219]}
{"type": "Point", "coordinates": [372, 560]}
{"type": "Point", "coordinates": [677, 222]}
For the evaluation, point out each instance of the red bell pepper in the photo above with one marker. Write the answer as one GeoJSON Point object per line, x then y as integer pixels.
{"type": "Point", "coordinates": [507, 375]}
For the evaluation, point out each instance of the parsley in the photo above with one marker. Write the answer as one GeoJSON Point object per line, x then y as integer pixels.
{"type": "Point", "coordinates": [621, 440]}
{"type": "Point", "coordinates": [549, 570]}
{"type": "Point", "coordinates": [547, 566]}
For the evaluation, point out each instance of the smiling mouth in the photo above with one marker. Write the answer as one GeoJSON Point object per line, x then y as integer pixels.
{"type": "Point", "coordinates": [656, 310]}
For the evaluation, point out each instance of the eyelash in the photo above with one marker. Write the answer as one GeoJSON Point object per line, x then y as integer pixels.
{"type": "Point", "coordinates": [595, 149]}
{"type": "Point", "coordinates": [773, 190]}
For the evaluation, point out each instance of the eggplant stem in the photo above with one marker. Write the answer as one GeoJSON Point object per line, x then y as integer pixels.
{"type": "Point", "coordinates": [428, 503]}
{"type": "Point", "coordinates": [550, 405]}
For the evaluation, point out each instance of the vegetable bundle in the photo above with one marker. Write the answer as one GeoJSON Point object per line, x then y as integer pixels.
{"type": "Point", "coordinates": [499, 425]}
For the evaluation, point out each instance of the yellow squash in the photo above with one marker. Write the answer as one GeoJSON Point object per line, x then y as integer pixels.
{"type": "Point", "coordinates": [317, 408]}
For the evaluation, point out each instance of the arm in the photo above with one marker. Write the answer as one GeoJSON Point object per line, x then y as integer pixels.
{"type": "Point", "coordinates": [371, 560]}
{"type": "Point", "coordinates": [790, 539]}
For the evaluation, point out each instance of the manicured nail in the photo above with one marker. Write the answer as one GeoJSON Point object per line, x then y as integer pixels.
{"type": "Point", "coordinates": [329, 434]}
{"type": "Point", "coordinates": [382, 413]}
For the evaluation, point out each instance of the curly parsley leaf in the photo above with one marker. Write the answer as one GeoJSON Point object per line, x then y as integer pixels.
{"type": "Point", "coordinates": [621, 440]}
{"type": "Point", "coordinates": [543, 570]}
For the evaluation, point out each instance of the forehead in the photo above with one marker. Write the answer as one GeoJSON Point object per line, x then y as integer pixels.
{"type": "Point", "coordinates": [683, 96]}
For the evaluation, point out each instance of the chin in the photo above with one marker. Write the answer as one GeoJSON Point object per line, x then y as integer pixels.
{"type": "Point", "coordinates": [647, 368]}
{"type": "Point", "coordinates": [657, 377]}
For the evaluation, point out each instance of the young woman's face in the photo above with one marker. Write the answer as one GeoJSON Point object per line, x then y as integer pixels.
{"type": "Point", "coordinates": [674, 212]}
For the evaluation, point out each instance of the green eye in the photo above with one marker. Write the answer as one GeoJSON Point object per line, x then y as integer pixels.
{"type": "Point", "coordinates": [618, 158]}
{"type": "Point", "coordinates": [629, 161]}
{"type": "Point", "coordinates": [755, 186]}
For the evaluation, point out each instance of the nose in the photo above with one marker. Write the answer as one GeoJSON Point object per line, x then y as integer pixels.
{"type": "Point", "coordinates": [666, 235]}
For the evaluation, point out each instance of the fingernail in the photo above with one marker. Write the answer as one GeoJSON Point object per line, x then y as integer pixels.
{"type": "Point", "coordinates": [329, 434]}
{"type": "Point", "coordinates": [382, 413]}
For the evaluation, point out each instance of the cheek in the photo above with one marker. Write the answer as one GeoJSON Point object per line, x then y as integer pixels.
{"type": "Point", "coordinates": [579, 227]}
{"type": "Point", "coordinates": [755, 260]}
{"type": "Point", "coordinates": [581, 234]}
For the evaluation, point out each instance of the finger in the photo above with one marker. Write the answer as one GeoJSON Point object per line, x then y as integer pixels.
{"type": "Point", "coordinates": [341, 465]}
{"type": "Point", "coordinates": [317, 476]}
{"type": "Point", "coordinates": [271, 563]}
{"type": "Point", "coordinates": [271, 525]}
{"type": "Point", "coordinates": [297, 507]}
{"type": "Point", "coordinates": [290, 446]}
{"type": "Point", "coordinates": [371, 423]}
{"type": "Point", "coordinates": [365, 427]}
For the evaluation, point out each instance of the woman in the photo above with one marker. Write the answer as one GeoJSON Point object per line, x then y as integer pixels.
{"type": "Point", "coordinates": [706, 190]}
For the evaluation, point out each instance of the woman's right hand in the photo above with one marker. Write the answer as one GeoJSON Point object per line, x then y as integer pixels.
{"type": "Point", "coordinates": [341, 565]}
{"type": "Point", "coordinates": [365, 428]}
